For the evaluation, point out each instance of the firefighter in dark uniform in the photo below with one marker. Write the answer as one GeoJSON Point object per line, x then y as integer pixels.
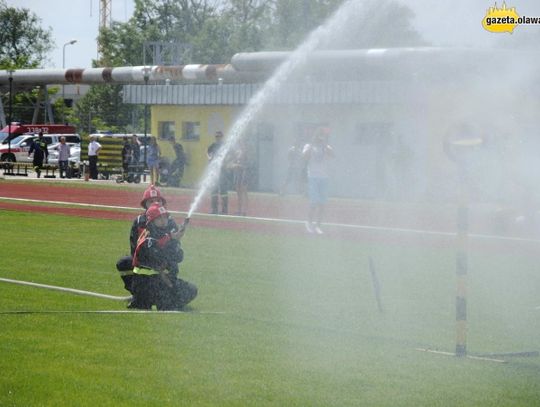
{"type": "Point", "coordinates": [124, 265]}
{"type": "Point", "coordinates": [39, 148]}
{"type": "Point", "coordinates": [155, 265]}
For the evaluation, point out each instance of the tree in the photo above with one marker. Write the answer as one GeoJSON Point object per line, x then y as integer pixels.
{"type": "Point", "coordinates": [215, 30]}
{"type": "Point", "coordinates": [383, 24]}
{"type": "Point", "coordinates": [375, 24]}
{"type": "Point", "coordinates": [293, 20]}
{"type": "Point", "coordinates": [193, 22]}
{"type": "Point", "coordinates": [247, 19]}
{"type": "Point", "coordinates": [102, 109]}
{"type": "Point", "coordinates": [23, 43]}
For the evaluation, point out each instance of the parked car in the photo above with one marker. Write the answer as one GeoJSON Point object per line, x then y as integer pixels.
{"type": "Point", "coordinates": [74, 154]}
{"type": "Point", "coordinates": [17, 150]}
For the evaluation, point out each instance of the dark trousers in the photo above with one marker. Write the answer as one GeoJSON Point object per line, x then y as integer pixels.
{"type": "Point", "coordinates": [64, 169]}
{"type": "Point", "coordinates": [37, 162]}
{"type": "Point", "coordinates": [124, 265]}
{"type": "Point", "coordinates": [221, 191]}
{"type": "Point", "coordinates": [93, 166]}
{"type": "Point", "coordinates": [166, 294]}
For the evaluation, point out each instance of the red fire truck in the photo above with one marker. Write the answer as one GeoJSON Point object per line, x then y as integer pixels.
{"type": "Point", "coordinates": [17, 129]}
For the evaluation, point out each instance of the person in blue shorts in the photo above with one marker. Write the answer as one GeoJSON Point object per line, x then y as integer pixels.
{"type": "Point", "coordinates": [316, 154]}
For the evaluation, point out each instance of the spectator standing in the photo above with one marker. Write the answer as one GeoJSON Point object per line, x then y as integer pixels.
{"type": "Point", "coordinates": [135, 150]}
{"type": "Point", "coordinates": [93, 152]}
{"type": "Point", "coordinates": [220, 190]}
{"type": "Point", "coordinates": [40, 151]}
{"type": "Point", "coordinates": [316, 155]}
{"type": "Point", "coordinates": [177, 166]}
{"type": "Point", "coordinates": [64, 152]}
{"type": "Point", "coordinates": [126, 157]}
{"type": "Point", "coordinates": [153, 154]}
{"type": "Point", "coordinates": [240, 167]}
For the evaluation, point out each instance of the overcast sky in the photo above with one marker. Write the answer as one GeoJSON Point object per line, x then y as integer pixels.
{"type": "Point", "coordinates": [449, 22]}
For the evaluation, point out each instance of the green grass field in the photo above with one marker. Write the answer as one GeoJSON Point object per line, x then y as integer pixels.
{"type": "Point", "coordinates": [279, 321]}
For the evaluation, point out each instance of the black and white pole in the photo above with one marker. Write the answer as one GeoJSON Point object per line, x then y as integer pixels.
{"type": "Point", "coordinates": [461, 150]}
{"type": "Point", "coordinates": [461, 266]}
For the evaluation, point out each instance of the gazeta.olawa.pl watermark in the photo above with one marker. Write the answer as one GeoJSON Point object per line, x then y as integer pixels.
{"type": "Point", "coordinates": [505, 19]}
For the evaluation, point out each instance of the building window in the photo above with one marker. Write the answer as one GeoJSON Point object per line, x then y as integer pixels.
{"type": "Point", "coordinates": [372, 133]}
{"type": "Point", "coordinates": [166, 130]}
{"type": "Point", "coordinates": [191, 130]}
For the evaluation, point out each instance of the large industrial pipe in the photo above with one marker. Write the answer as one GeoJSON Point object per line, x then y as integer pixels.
{"type": "Point", "coordinates": [257, 66]}
{"type": "Point", "coordinates": [128, 75]}
{"type": "Point", "coordinates": [358, 58]}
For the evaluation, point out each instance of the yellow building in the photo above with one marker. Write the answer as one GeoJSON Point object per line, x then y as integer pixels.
{"type": "Point", "coordinates": [389, 113]}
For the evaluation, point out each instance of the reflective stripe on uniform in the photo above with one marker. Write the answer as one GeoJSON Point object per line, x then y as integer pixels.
{"type": "Point", "coordinates": [144, 271]}
{"type": "Point", "coordinates": [126, 273]}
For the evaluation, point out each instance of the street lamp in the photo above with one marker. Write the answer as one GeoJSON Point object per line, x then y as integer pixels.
{"type": "Point", "coordinates": [63, 67]}
{"type": "Point", "coordinates": [10, 72]}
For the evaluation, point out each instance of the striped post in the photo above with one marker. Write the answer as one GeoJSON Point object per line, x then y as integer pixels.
{"type": "Point", "coordinates": [461, 271]}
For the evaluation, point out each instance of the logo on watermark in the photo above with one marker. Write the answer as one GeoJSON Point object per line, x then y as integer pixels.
{"type": "Point", "coordinates": [500, 20]}
{"type": "Point", "coordinates": [505, 19]}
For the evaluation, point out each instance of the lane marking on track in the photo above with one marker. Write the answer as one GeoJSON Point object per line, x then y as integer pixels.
{"type": "Point", "coordinates": [290, 221]}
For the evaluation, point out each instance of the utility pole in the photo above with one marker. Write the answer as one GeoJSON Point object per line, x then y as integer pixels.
{"type": "Point", "coordinates": [10, 72]}
{"type": "Point", "coordinates": [63, 86]}
{"type": "Point", "coordinates": [105, 19]}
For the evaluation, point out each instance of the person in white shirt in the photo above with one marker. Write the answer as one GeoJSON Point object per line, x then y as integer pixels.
{"type": "Point", "coordinates": [93, 152]}
{"type": "Point", "coordinates": [316, 155]}
{"type": "Point", "coordinates": [63, 157]}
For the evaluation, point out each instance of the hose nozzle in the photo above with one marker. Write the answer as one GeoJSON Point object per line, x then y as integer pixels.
{"type": "Point", "coordinates": [184, 225]}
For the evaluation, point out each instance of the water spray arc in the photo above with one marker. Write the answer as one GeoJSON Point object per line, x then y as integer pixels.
{"type": "Point", "coordinates": [268, 91]}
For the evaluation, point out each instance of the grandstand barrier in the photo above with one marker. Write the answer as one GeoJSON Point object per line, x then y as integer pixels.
{"type": "Point", "coordinates": [11, 168]}
{"type": "Point", "coordinates": [15, 168]}
{"type": "Point", "coordinates": [23, 169]}
{"type": "Point", "coordinates": [110, 156]}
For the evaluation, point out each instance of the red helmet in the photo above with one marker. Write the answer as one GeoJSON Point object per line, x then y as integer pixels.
{"type": "Point", "coordinates": [152, 192]}
{"type": "Point", "coordinates": [155, 211]}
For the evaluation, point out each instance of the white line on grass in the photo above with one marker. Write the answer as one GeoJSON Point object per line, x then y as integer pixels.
{"type": "Point", "coordinates": [65, 289]}
{"type": "Point", "coordinates": [146, 312]}
{"type": "Point", "coordinates": [70, 203]}
{"type": "Point", "coordinates": [291, 221]}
